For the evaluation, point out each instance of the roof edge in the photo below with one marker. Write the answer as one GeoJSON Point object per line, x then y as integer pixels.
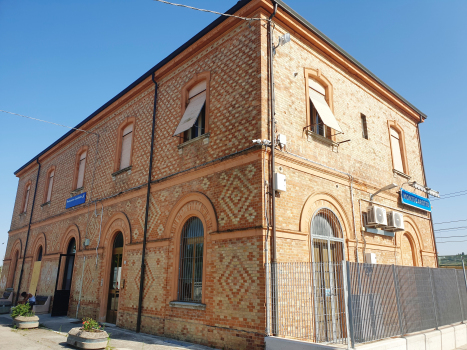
{"type": "Point", "coordinates": [240, 4]}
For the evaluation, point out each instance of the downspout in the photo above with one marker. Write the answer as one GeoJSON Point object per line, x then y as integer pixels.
{"type": "Point", "coordinates": [424, 177]}
{"type": "Point", "coordinates": [273, 192]}
{"type": "Point", "coordinates": [146, 216]}
{"type": "Point", "coordinates": [29, 230]}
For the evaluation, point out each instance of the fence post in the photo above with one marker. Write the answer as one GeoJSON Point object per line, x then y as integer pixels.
{"type": "Point", "coordinates": [396, 288]}
{"type": "Point", "coordinates": [463, 269]}
{"type": "Point", "coordinates": [433, 296]}
{"type": "Point", "coordinates": [459, 295]}
{"type": "Point", "coordinates": [348, 305]}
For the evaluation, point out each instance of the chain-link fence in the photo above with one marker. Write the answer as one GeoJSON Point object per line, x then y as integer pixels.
{"type": "Point", "coordinates": [349, 303]}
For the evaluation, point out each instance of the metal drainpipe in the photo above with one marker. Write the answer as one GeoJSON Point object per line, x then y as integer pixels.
{"type": "Point", "coordinates": [424, 177]}
{"type": "Point", "coordinates": [29, 230]}
{"type": "Point", "coordinates": [143, 254]}
{"type": "Point", "coordinates": [273, 143]}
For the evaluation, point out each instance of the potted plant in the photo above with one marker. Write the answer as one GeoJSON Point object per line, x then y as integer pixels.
{"type": "Point", "coordinates": [89, 336]}
{"type": "Point", "coordinates": [24, 317]}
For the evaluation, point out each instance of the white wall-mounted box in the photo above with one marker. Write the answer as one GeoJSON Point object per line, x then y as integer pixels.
{"type": "Point", "coordinates": [280, 182]}
{"type": "Point", "coordinates": [370, 258]}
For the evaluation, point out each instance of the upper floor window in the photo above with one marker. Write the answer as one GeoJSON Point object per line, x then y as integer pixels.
{"type": "Point", "coordinates": [364, 127]}
{"type": "Point", "coordinates": [127, 142]}
{"type": "Point", "coordinates": [80, 169]}
{"type": "Point", "coordinates": [49, 185]}
{"type": "Point", "coordinates": [26, 198]}
{"type": "Point", "coordinates": [396, 151]}
{"type": "Point", "coordinates": [321, 119]}
{"type": "Point", "coordinates": [195, 107]}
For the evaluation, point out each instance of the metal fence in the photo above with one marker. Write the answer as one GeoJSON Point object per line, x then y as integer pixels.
{"type": "Point", "coordinates": [349, 303]}
{"type": "Point", "coordinates": [389, 300]}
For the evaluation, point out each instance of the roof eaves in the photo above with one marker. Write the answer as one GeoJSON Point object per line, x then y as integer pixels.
{"type": "Point", "coordinates": [316, 31]}
{"type": "Point", "coordinates": [175, 53]}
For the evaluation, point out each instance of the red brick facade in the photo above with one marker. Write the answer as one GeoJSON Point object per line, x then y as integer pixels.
{"type": "Point", "coordinates": [219, 178]}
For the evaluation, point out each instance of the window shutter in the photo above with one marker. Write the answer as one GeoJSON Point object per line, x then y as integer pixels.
{"type": "Point", "coordinates": [49, 189]}
{"type": "Point", "coordinates": [323, 110]}
{"type": "Point", "coordinates": [197, 89]}
{"type": "Point", "coordinates": [26, 199]}
{"type": "Point", "coordinates": [192, 112]}
{"type": "Point", "coordinates": [82, 163]}
{"type": "Point", "coordinates": [396, 151]}
{"type": "Point", "coordinates": [126, 147]}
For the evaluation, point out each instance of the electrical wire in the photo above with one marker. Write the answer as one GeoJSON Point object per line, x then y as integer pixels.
{"type": "Point", "coordinates": [210, 11]}
{"type": "Point", "coordinates": [451, 237]}
{"type": "Point", "coordinates": [45, 121]}
{"type": "Point", "coordinates": [451, 242]}
{"type": "Point", "coordinates": [444, 197]}
{"type": "Point", "coordinates": [452, 229]}
{"type": "Point", "coordinates": [448, 222]}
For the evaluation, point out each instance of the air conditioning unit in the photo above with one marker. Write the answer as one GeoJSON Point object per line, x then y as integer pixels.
{"type": "Point", "coordinates": [376, 217]}
{"type": "Point", "coordinates": [395, 221]}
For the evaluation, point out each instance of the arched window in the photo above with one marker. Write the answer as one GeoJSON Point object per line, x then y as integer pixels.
{"type": "Point", "coordinates": [327, 237]}
{"type": "Point", "coordinates": [321, 119]}
{"type": "Point", "coordinates": [39, 254]}
{"type": "Point", "coordinates": [195, 108]}
{"type": "Point", "coordinates": [115, 279]}
{"type": "Point", "coordinates": [190, 280]}
{"type": "Point", "coordinates": [49, 185]}
{"type": "Point", "coordinates": [80, 168]}
{"type": "Point", "coordinates": [396, 149]}
{"type": "Point", "coordinates": [126, 146]}
{"type": "Point", "coordinates": [26, 197]}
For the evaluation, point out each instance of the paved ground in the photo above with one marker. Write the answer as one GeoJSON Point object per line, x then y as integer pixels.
{"type": "Point", "coordinates": [53, 330]}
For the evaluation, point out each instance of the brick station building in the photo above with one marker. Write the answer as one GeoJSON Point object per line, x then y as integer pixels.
{"type": "Point", "coordinates": [204, 253]}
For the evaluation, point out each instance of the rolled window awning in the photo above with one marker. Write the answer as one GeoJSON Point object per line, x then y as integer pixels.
{"type": "Point", "coordinates": [323, 110]}
{"type": "Point", "coordinates": [192, 112]}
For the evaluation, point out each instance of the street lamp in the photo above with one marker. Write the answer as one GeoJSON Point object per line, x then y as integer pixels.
{"type": "Point", "coordinates": [385, 188]}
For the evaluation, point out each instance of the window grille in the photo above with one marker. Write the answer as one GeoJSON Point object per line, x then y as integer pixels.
{"type": "Point", "coordinates": [190, 278]}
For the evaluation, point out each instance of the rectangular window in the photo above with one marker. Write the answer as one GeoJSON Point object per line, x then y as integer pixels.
{"type": "Point", "coordinates": [396, 151]}
{"type": "Point", "coordinates": [82, 164]}
{"type": "Point", "coordinates": [26, 199]}
{"type": "Point", "coordinates": [127, 138]}
{"type": "Point", "coordinates": [50, 185]}
{"type": "Point", "coordinates": [364, 127]}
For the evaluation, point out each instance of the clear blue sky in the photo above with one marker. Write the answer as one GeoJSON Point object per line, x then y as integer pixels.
{"type": "Point", "coordinates": [61, 60]}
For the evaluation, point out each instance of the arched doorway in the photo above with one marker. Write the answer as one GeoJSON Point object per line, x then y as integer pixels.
{"type": "Point", "coordinates": [63, 284]}
{"type": "Point", "coordinates": [115, 279]}
{"type": "Point", "coordinates": [69, 263]}
{"type": "Point", "coordinates": [327, 255]}
{"type": "Point", "coordinates": [36, 271]}
{"type": "Point", "coordinates": [12, 273]}
{"type": "Point", "coordinates": [407, 251]}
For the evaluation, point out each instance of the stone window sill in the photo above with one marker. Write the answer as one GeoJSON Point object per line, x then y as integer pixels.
{"type": "Point", "coordinates": [204, 137]}
{"type": "Point", "coordinates": [121, 171]}
{"type": "Point", "coordinates": [187, 305]}
{"type": "Point", "coordinates": [397, 172]}
{"type": "Point", "coordinates": [312, 135]}
{"type": "Point", "coordinates": [44, 204]}
{"type": "Point", "coordinates": [77, 191]}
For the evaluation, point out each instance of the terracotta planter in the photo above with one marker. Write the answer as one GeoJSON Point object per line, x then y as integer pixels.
{"type": "Point", "coordinates": [87, 340]}
{"type": "Point", "coordinates": [26, 322]}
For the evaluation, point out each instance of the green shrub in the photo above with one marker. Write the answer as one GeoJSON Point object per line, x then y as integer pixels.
{"type": "Point", "coordinates": [22, 310]}
{"type": "Point", "coordinates": [91, 325]}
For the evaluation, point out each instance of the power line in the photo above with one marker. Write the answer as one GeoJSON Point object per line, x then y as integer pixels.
{"type": "Point", "coordinates": [45, 121]}
{"type": "Point", "coordinates": [444, 197]}
{"type": "Point", "coordinates": [451, 242]}
{"type": "Point", "coordinates": [215, 12]}
{"type": "Point", "coordinates": [451, 237]}
{"type": "Point", "coordinates": [448, 222]}
{"type": "Point", "coordinates": [452, 228]}
{"type": "Point", "coordinates": [448, 194]}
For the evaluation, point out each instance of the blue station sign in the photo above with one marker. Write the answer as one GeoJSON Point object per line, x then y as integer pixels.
{"type": "Point", "coordinates": [76, 200]}
{"type": "Point", "coordinates": [414, 200]}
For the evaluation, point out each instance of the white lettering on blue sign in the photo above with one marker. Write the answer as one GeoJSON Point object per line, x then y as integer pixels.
{"type": "Point", "coordinates": [414, 200]}
{"type": "Point", "coordinates": [76, 200]}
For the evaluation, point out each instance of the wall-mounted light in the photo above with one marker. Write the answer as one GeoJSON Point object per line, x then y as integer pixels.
{"type": "Point", "coordinates": [385, 188]}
